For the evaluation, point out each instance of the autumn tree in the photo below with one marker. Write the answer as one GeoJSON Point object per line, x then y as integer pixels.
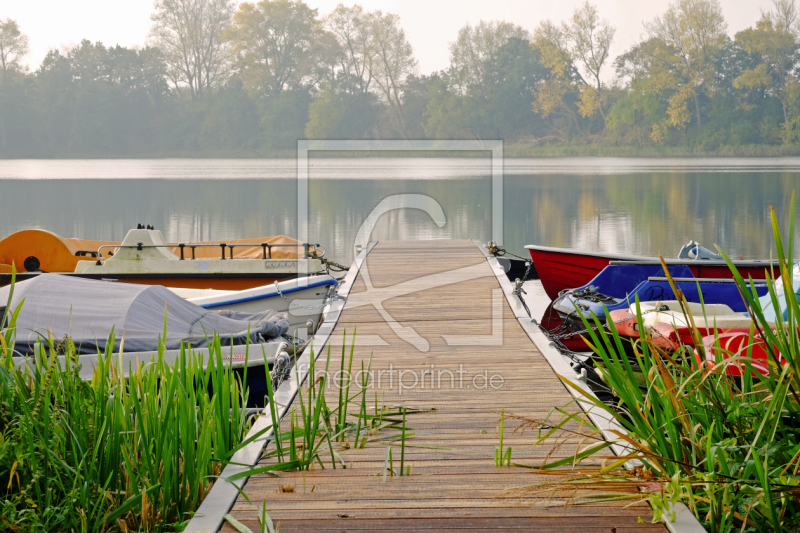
{"type": "Point", "coordinates": [574, 51]}
{"type": "Point", "coordinates": [774, 40]}
{"type": "Point", "coordinates": [390, 62]}
{"type": "Point", "coordinates": [693, 33]}
{"type": "Point", "coordinates": [276, 45]}
{"type": "Point", "coordinates": [554, 98]}
{"type": "Point", "coordinates": [589, 40]}
{"type": "Point", "coordinates": [350, 27]}
{"type": "Point", "coordinates": [189, 35]}
{"type": "Point", "coordinates": [13, 45]}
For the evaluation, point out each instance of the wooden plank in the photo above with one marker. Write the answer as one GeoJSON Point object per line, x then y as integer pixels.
{"type": "Point", "coordinates": [454, 485]}
{"type": "Point", "coordinates": [249, 512]}
{"type": "Point", "coordinates": [433, 525]}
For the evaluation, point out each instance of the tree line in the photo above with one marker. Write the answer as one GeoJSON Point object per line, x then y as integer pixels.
{"type": "Point", "coordinates": [216, 78]}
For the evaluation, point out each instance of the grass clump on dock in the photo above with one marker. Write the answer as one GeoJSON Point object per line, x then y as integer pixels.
{"type": "Point", "coordinates": [727, 446]}
{"type": "Point", "coordinates": [115, 454]}
{"type": "Point", "coordinates": [318, 432]}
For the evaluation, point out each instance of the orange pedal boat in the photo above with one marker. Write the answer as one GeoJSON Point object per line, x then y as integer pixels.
{"type": "Point", "coordinates": [144, 257]}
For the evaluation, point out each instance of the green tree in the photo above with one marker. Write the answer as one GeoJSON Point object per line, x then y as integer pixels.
{"type": "Point", "coordinates": [284, 118]}
{"type": "Point", "coordinates": [447, 114]}
{"type": "Point", "coordinates": [474, 46]}
{"type": "Point", "coordinates": [633, 117]}
{"type": "Point", "coordinates": [499, 105]}
{"type": "Point", "coordinates": [342, 116]}
{"type": "Point", "coordinates": [97, 100]}
{"type": "Point", "coordinates": [230, 119]}
{"type": "Point", "coordinates": [416, 93]}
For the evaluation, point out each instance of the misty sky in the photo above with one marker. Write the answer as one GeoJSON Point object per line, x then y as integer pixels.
{"type": "Point", "coordinates": [429, 24]}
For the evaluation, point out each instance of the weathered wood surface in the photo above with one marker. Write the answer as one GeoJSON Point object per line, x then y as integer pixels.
{"type": "Point", "coordinates": [454, 484]}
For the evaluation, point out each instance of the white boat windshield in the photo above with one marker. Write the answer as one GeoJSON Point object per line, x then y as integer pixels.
{"type": "Point", "coordinates": [766, 300]}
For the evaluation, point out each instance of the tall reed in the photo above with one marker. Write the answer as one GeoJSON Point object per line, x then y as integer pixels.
{"type": "Point", "coordinates": [113, 453]}
{"type": "Point", "coordinates": [726, 446]}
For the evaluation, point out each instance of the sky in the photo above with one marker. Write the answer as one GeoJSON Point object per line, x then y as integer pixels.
{"type": "Point", "coordinates": [429, 24]}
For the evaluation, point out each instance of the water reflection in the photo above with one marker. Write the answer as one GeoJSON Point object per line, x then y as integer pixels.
{"type": "Point", "coordinates": [651, 213]}
{"type": "Point", "coordinates": [602, 205]}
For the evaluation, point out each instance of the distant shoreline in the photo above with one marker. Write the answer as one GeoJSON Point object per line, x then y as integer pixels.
{"type": "Point", "coordinates": [510, 150]}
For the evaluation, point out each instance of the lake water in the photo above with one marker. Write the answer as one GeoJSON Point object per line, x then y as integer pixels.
{"type": "Point", "coordinates": [641, 206]}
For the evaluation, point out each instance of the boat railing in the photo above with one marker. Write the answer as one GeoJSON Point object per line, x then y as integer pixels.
{"type": "Point", "coordinates": [310, 250]}
{"type": "Point", "coordinates": [704, 280]}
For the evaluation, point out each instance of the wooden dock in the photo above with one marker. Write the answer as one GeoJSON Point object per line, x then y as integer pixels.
{"type": "Point", "coordinates": [451, 318]}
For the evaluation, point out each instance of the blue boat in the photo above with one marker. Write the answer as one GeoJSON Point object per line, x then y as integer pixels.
{"type": "Point", "coordinates": [617, 286]}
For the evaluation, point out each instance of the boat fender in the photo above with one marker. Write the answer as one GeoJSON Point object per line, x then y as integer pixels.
{"type": "Point", "coordinates": [625, 322]}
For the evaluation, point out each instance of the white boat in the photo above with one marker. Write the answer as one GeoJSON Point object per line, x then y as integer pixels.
{"type": "Point", "coordinates": [716, 315]}
{"type": "Point", "coordinates": [302, 300]}
{"type": "Point", "coordinates": [706, 316]}
{"type": "Point", "coordinates": [146, 321]}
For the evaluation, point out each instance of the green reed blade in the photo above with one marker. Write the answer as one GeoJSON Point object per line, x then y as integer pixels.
{"type": "Point", "coordinates": [403, 444]}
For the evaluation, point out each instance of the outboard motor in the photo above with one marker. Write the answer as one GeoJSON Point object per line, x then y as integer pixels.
{"type": "Point", "coordinates": [693, 250]}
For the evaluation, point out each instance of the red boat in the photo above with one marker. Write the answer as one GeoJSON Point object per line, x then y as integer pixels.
{"type": "Point", "coordinates": [742, 349]}
{"type": "Point", "coordinates": [562, 268]}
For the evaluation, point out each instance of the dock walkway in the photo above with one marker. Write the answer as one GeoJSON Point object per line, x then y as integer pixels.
{"type": "Point", "coordinates": [451, 319]}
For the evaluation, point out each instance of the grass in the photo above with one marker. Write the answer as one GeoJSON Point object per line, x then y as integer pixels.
{"type": "Point", "coordinates": [500, 457]}
{"type": "Point", "coordinates": [726, 446]}
{"type": "Point", "coordinates": [112, 454]}
{"type": "Point", "coordinates": [318, 432]}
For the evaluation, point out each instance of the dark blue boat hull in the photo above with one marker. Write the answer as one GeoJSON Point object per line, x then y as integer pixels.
{"type": "Point", "coordinates": [618, 286]}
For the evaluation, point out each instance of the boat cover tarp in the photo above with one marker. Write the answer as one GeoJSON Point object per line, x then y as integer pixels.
{"type": "Point", "coordinates": [87, 310]}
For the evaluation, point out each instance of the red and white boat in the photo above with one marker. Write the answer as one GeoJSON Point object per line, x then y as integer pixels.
{"type": "Point", "coordinates": [564, 268]}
